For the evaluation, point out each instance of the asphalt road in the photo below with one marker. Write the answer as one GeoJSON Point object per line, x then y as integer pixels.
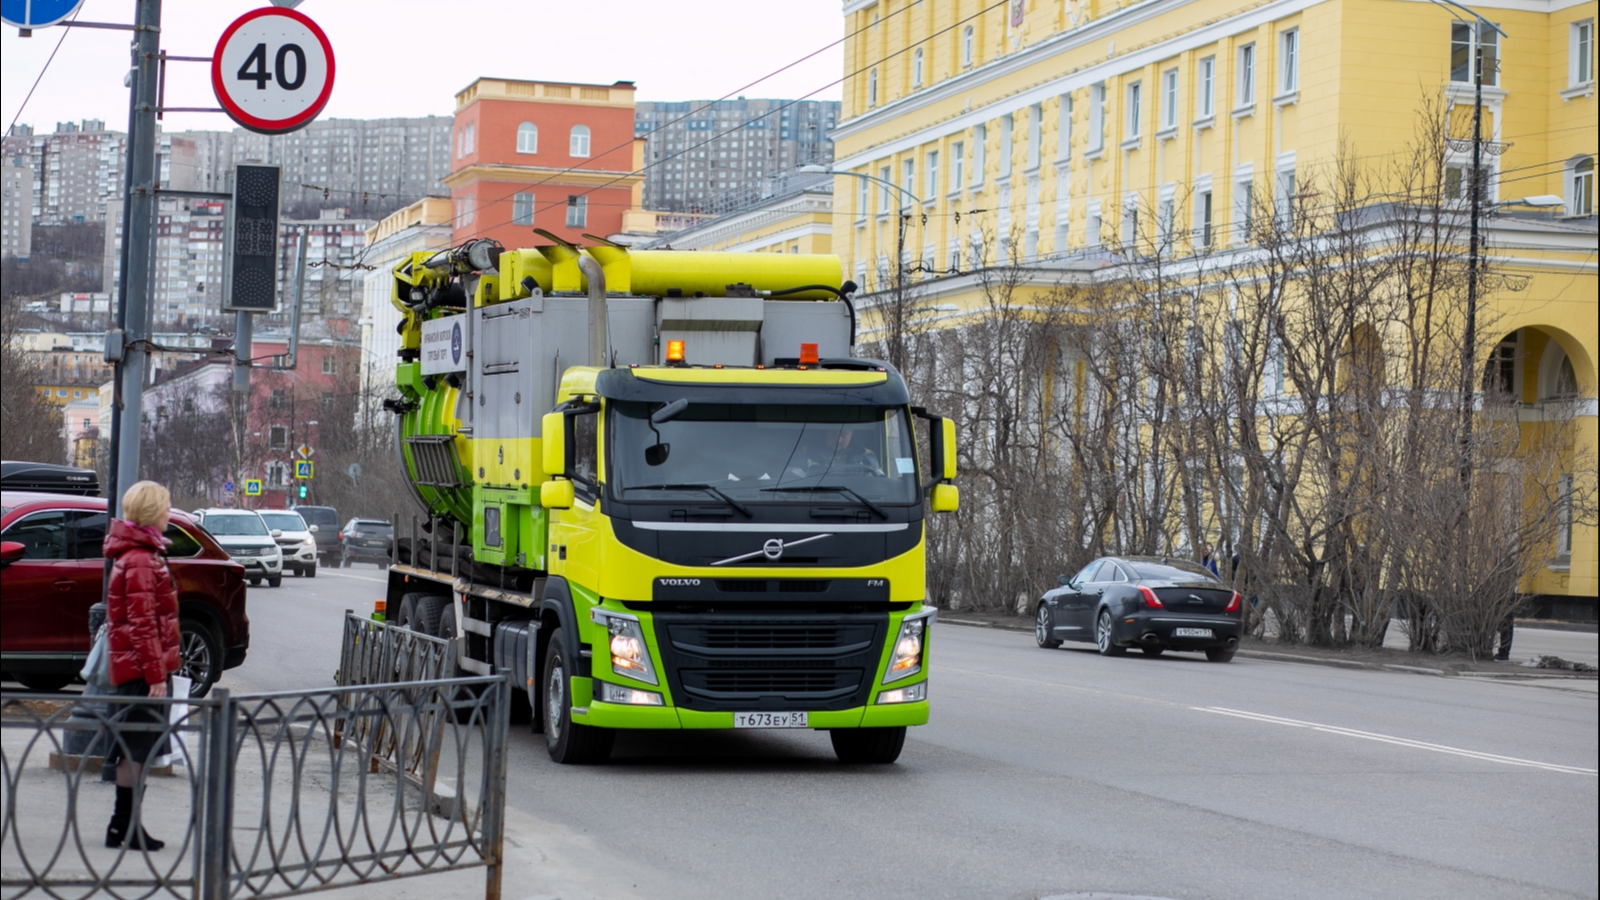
{"type": "Point", "coordinates": [1046, 773]}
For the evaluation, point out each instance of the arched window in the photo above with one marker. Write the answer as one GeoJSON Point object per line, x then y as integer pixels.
{"type": "Point", "coordinates": [966, 46]}
{"type": "Point", "coordinates": [872, 88]}
{"type": "Point", "coordinates": [527, 138]}
{"type": "Point", "coordinates": [579, 145]}
{"type": "Point", "coordinates": [1580, 201]}
{"type": "Point", "coordinates": [1558, 379]}
{"type": "Point", "coordinates": [916, 68]}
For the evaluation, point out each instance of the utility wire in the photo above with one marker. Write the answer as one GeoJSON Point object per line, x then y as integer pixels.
{"type": "Point", "coordinates": [59, 41]}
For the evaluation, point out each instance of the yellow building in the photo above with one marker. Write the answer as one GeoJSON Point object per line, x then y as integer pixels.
{"type": "Point", "coordinates": [1038, 131]}
{"type": "Point", "coordinates": [797, 217]}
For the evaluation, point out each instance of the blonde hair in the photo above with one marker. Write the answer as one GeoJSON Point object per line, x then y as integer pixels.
{"type": "Point", "coordinates": [145, 503]}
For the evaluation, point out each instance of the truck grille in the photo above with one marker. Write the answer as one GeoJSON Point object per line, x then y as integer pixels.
{"type": "Point", "coordinates": [773, 661]}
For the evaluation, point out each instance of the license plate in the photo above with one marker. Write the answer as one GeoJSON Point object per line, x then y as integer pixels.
{"type": "Point", "coordinates": [1191, 632]}
{"type": "Point", "coordinates": [769, 720]}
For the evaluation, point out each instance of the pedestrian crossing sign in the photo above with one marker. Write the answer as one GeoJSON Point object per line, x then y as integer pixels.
{"type": "Point", "coordinates": [302, 468]}
{"type": "Point", "coordinates": [252, 487]}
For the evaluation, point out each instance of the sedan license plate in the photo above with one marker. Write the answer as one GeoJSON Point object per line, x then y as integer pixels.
{"type": "Point", "coordinates": [769, 720]}
{"type": "Point", "coordinates": [1191, 632]}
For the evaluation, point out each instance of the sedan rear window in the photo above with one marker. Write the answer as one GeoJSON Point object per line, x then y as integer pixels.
{"type": "Point", "coordinates": [1172, 570]}
{"type": "Point", "coordinates": [235, 525]}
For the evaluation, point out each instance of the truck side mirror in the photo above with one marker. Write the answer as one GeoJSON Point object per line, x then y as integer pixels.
{"type": "Point", "coordinates": [944, 498]}
{"type": "Point", "coordinates": [947, 448]}
{"type": "Point", "coordinates": [554, 434]}
{"type": "Point", "coordinates": [557, 494]}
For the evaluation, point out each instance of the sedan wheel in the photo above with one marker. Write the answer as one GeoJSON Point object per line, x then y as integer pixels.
{"type": "Point", "coordinates": [1102, 636]}
{"type": "Point", "coordinates": [199, 656]}
{"type": "Point", "coordinates": [1044, 629]}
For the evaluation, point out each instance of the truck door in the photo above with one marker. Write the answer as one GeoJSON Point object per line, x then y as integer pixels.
{"type": "Point", "coordinates": [573, 532]}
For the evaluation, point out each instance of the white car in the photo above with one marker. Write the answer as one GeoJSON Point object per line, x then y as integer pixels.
{"type": "Point", "coordinates": [296, 540]}
{"type": "Point", "coordinates": [246, 537]}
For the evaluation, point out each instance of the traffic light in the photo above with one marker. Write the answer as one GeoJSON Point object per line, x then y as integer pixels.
{"type": "Point", "coordinates": [302, 492]}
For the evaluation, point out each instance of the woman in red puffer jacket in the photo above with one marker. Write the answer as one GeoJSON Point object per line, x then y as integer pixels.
{"type": "Point", "coordinates": [142, 630]}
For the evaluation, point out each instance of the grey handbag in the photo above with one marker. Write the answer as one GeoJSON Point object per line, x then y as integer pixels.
{"type": "Point", "coordinates": [96, 670]}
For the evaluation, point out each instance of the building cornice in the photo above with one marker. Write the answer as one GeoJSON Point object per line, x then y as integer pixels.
{"type": "Point", "coordinates": [734, 224]}
{"type": "Point", "coordinates": [541, 175]}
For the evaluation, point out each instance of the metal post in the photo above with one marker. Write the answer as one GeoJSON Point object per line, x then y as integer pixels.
{"type": "Point", "coordinates": [216, 822]}
{"type": "Point", "coordinates": [496, 726]}
{"type": "Point", "coordinates": [299, 298]}
{"type": "Point", "coordinates": [243, 326]}
{"type": "Point", "coordinates": [1469, 354]}
{"type": "Point", "coordinates": [134, 300]}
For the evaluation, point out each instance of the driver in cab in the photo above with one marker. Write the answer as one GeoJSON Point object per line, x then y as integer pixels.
{"type": "Point", "coordinates": [821, 450]}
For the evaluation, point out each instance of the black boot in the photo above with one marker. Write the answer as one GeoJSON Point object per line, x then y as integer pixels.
{"type": "Point", "coordinates": [117, 832]}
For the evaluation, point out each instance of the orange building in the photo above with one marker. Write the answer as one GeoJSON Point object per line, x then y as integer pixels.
{"type": "Point", "coordinates": [550, 155]}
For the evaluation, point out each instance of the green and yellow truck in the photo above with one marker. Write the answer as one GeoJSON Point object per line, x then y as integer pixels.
{"type": "Point", "coordinates": [661, 493]}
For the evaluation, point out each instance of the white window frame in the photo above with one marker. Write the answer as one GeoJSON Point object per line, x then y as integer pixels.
{"type": "Point", "coordinates": [1284, 193]}
{"type": "Point", "coordinates": [967, 46]}
{"type": "Point", "coordinates": [1564, 518]}
{"type": "Point", "coordinates": [1035, 136]}
{"type": "Point", "coordinates": [1131, 121]}
{"type": "Point", "coordinates": [1244, 206]}
{"type": "Point", "coordinates": [1097, 117]}
{"type": "Point", "coordinates": [862, 194]}
{"type": "Point", "coordinates": [1207, 78]}
{"type": "Point", "coordinates": [527, 138]}
{"type": "Point", "coordinates": [872, 88]}
{"type": "Point", "coordinates": [1169, 99]}
{"type": "Point", "coordinates": [1205, 213]}
{"type": "Point", "coordinates": [1246, 96]}
{"type": "Point", "coordinates": [958, 162]}
{"type": "Point", "coordinates": [522, 204]}
{"type": "Point", "coordinates": [885, 179]}
{"type": "Point", "coordinates": [577, 211]}
{"type": "Point", "coordinates": [908, 181]}
{"type": "Point", "coordinates": [578, 142]}
{"type": "Point", "coordinates": [1580, 54]}
{"type": "Point", "coordinates": [916, 68]}
{"type": "Point", "coordinates": [466, 209]}
{"type": "Point", "coordinates": [930, 176]}
{"type": "Point", "coordinates": [1288, 61]}
{"type": "Point", "coordinates": [1580, 187]}
{"type": "Point", "coordinates": [1482, 35]}
{"type": "Point", "coordinates": [980, 153]}
{"type": "Point", "coordinates": [1064, 127]}
{"type": "Point", "coordinates": [1008, 137]}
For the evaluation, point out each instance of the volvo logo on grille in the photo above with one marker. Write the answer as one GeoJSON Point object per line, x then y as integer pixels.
{"type": "Point", "coordinates": [679, 582]}
{"type": "Point", "coordinates": [772, 549]}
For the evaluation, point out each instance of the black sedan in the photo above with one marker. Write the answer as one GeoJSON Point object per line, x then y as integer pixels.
{"type": "Point", "coordinates": [1153, 603]}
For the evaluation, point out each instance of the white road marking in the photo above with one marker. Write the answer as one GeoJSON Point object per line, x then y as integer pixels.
{"type": "Point", "coordinates": [323, 573]}
{"type": "Point", "coordinates": [1397, 741]}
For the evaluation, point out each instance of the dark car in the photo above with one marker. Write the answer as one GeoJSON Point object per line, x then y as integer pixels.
{"type": "Point", "coordinates": [366, 540]}
{"type": "Point", "coordinates": [53, 571]}
{"type": "Point", "coordinates": [326, 518]}
{"type": "Point", "coordinates": [1153, 603]}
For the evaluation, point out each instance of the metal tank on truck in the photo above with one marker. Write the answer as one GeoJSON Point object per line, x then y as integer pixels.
{"type": "Point", "coordinates": [660, 491]}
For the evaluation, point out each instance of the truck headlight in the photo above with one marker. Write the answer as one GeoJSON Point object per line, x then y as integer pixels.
{"type": "Point", "coordinates": [911, 693]}
{"type": "Point", "coordinates": [616, 693]}
{"type": "Point", "coordinates": [630, 656]}
{"type": "Point", "coordinates": [907, 657]}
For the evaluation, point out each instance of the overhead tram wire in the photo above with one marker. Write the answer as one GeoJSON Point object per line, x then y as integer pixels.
{"type": "Point", "coordinates": [59, 41]}
{"type": "Point", "coordinates": [642, 169]}
{"type": "Point", "coordinates": [733, 93]}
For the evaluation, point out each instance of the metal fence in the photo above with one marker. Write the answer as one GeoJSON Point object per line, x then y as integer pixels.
{"type": "Point", "coordinates": [270, 795]}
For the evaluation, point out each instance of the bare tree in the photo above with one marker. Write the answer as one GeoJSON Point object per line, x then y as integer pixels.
{"type": "Point", "coordinates": [30, 426]}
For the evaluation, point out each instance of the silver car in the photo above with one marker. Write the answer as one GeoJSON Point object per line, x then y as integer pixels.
{"type": "Point", "coordinates": [246, 538]}
{"type": "Point", "coordinates": [296, 539]}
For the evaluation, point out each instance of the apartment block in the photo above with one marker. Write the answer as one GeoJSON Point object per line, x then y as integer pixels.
{"type": "Point", "coordinates": [16, 206]}
{"type": "Point", "coordinates": [713, 155]}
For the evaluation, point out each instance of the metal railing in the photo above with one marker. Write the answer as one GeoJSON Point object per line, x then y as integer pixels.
{"type": "Point", "coordinates": [272, 795]}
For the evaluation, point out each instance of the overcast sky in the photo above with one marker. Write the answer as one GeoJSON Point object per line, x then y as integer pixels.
{"type": "Point", "coordinates": [408, 58]}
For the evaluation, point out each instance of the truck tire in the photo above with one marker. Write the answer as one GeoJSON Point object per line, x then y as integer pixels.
{"type": "Point", "coordinates": [868, 745]}
{"type": "Point", "coordinates": [407, 616]}
{"type": "Point", "coordinates": [429, 608]}
{"type": "Point", "coordinates": [569, 743]}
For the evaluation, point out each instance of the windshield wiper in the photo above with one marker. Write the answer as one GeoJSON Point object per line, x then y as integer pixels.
{"type": "Point", "coordinates": [695, 487]}
{"type": "Point", "coordinates": [838, 488]}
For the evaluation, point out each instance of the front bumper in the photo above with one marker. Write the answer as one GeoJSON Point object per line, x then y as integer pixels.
{"type": "Point", "coordinates": [617, 715]}
{"type": "Point", "coordinates": [299, 557]}
{"type": "Point", "coordinates": [1156, 627]}
{"type": "Point", "coordinates": [258, 566]}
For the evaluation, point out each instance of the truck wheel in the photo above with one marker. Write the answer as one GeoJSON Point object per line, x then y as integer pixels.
{"type": "Point", "coordinates": [1105, 638]}
{"type": "Point", "coordinates": [1044, 627]}
{"type": "Point", "coordinates": [868, 745]}
{"type": "Point", "coordinates": [569, 743]}
{"type": "Point", "coordinates": [429, 608]}
{"type": "Point", "coordinates": [447, 631]}
{"type": "Point", "coordinates": [406, 616]}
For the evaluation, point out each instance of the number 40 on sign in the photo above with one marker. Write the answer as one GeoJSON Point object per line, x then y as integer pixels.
{"type": "Point", "coordinates": [272, 70]}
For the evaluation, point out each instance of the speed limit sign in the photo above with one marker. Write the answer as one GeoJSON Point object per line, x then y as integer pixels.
{"type": "Point", "coordinates": [273, 70]}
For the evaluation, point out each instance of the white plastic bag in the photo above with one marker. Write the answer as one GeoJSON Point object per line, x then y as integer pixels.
{"type": "Point", "coordinates": [177, 748]}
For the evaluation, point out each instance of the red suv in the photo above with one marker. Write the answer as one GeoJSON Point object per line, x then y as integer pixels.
{"type": "Point", "coordinates": [53, 571]}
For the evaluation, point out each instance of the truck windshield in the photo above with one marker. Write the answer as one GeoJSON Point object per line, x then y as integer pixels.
{"type": "Point", "coordinates": [747, 450]}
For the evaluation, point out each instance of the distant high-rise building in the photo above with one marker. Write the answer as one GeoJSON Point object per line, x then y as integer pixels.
{"type": "Point", "coordinates": [335, 271]}
{"type": "Point", "coordinates": [76, 169]}
{"type": "Point", "coordinates": [16, 212]}
{"type": "Point", "coordinates": [700, 152]}
{"type": "Point", "coordinates": [368, 166]}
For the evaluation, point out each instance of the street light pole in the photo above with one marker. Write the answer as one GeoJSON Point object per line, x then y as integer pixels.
{"type": "Point", "coordinates": [900, 242]}
{"type": "Point", "coordinates": [1469, 339]}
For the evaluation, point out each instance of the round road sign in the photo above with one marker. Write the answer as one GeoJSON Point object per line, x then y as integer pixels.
{"type": "Point", "coordinates": [37, 13]}
{"type": "Point", "coordinates": [273, 70]}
